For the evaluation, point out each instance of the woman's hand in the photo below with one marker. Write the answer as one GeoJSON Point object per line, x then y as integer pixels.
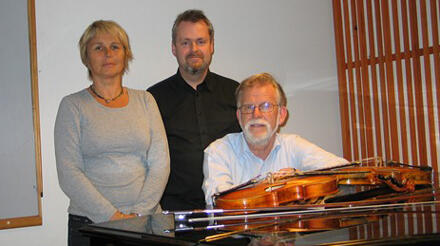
{"type": "Point", "coordinates": [119, 216]}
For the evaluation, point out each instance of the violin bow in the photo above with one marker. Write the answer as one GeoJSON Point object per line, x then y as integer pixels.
{"type": "Point", "coordinates": [379, 162]}
{"type": "Point", "coordinates": [423, 168]}
{"type": "Point", "coordinates": [311, 211]}
{"type": "Point", "coordinates": [377, 159]}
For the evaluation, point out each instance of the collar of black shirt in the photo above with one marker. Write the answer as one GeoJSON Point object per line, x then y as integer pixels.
{"type": "Point", "coordinates": [206, 84]}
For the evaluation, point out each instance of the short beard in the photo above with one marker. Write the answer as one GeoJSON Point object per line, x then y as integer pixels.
{"type": "Point", "coordinates": [259, 140]}
{"type": "Point", "coordinates": [197, 70]}
{"type": "Point", "coordinates": [193, 70]}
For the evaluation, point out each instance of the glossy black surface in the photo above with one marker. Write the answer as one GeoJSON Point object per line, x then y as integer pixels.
{"type": "Point", "coordinates": [407, 218]}
{"type": "Point", "coordinates": [417, 223]}
{"type": "Point", "coordinates": [151, 230]}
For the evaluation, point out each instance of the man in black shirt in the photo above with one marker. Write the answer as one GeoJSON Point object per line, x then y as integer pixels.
{"type": "Point", "coordinates": [197, 107]}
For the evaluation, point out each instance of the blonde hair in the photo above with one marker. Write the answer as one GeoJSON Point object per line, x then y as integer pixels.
{"type": "Point", "coordinates": [104, 26]}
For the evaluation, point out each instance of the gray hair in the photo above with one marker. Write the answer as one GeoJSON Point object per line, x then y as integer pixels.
{"type": "Point", "coordinates": [259, 80]}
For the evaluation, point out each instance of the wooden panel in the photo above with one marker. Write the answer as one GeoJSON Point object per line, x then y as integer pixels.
{"type": "Point", "coordinates": [340, 55]}
{"type": "Point", "coordinates": [389, 85]}
{"type": "Point", "coordinates": [388, 68]}
{"type": "Point", "coordinates": [400, 83]}
{"type": "Point", "coordinates": [20, 177]}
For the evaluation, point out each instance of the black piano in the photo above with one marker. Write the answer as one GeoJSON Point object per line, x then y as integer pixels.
{"type": "Point", "coordinates": [377, 216]}
{"type": "Point", "coordinates": [415, 223]}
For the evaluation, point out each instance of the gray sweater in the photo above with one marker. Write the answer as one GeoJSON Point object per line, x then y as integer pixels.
{"type": "Point", "coordinates": [111, 159]}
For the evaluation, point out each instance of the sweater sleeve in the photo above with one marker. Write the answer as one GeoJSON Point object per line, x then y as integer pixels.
{"type": "Point", "coordinates": [158, 163]}
{"type": "Point", "coordinates": [70, 165]}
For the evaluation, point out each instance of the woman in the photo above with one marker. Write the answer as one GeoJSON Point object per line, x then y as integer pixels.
{"type": "Point", "coordinates": [110, 143]}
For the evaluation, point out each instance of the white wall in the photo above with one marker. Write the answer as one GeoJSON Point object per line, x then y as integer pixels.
{"type": "Point", "coordinates": [292, 39]}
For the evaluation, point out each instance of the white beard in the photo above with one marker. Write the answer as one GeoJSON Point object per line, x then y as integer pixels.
{"type": "Point", "coordinates": [261, 140]}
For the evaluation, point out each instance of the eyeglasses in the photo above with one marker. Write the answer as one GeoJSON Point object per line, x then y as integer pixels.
{"type": "Point", "coordinates": [265, 107]}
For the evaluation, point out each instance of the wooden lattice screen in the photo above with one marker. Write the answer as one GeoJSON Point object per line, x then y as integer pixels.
{"type": "Point", "coordinates": [389, 84]}
{"type": "Point", "coordinates": [389, 79]}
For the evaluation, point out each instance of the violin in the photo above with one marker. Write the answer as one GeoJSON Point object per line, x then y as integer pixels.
{"type": "Point", "coordinates": [304, 187]}
{"type": "Point", "coordinates": [277, 193]}
{"type": "Point", "coordinates": [398, 178]}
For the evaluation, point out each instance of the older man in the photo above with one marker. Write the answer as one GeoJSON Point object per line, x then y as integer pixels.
{"type": "Point", "coordinates": [259, 149]}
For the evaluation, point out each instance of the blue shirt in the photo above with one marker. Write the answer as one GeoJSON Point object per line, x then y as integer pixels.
{"type": "Point", "coordinates": [229, 161]}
